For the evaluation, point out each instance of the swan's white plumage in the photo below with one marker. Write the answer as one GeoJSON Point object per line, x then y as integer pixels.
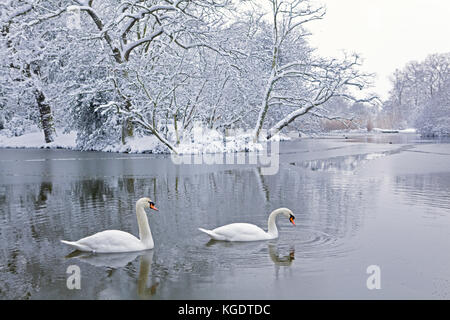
{"type": "Point", "coordinates": [247, 231]}
{"type": "Point", "coordinates": [238, 232]}
{"type": "Point", "coordinates": [117, 240]}
{"type": "Point", "coordinates": [108, 241]}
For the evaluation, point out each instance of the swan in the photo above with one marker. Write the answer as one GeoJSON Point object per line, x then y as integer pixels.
{"type": "Point", "coordinates": [110, 241]}
{"type": "Point", "coordinates": [249, 232]}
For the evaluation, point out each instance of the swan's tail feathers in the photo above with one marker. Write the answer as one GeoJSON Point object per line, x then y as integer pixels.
{"type": "Point", "coordinates": [212, 234]}
{"type": "Point", "coordinates": [76, 245]}
{"type": "Point", "coordinates": [208, 232]}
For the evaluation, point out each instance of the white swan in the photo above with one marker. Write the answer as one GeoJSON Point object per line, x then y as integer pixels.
{"type": "Point", "coordinates": [120, 241]}
{"type": "Point", "coordinates": [249, 232]}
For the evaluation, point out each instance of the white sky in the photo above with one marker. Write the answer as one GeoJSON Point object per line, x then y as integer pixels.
{"type": "Point", "coordinates": [387, 33]}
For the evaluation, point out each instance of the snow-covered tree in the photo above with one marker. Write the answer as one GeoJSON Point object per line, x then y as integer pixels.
{"type": "Point", "coordinates": [155, 67]}
{"type": "Point", "coordinates": [298, 80]}
{"type": "Point", "coordinates": [416, 92]}
{"type": "Point", "coordinates": [135, 34]}
{"type": "Point", "coordinates": [26, 62]}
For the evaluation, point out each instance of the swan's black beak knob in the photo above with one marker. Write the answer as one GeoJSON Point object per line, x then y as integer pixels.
{"type": "Point", "coordinates": [152, 206]}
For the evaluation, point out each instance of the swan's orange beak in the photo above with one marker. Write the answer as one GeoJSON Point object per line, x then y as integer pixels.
{"type": "Point", "coordinates": [152, 206]}
{"type": "Point", "coordinates": [291, 219]}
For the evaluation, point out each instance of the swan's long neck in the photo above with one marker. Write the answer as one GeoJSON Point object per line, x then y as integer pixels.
{"type": "Point", "coordinates": [272, 226]}
{"type": "Point", "coordinates": [145, 233]}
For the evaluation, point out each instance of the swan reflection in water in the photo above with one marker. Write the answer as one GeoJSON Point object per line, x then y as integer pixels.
{"type": "Point", "coordinates": [145, 287]}
{"type": "Point", "coordinates": [119, 260]}
{"type": "Point", "coordinates": [278, 259]}
{"type": "Point", "coordinates": [145, 292]}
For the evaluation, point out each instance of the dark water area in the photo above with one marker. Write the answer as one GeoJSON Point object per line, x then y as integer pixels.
{"type": "Point", "coordinates": [357, 204]}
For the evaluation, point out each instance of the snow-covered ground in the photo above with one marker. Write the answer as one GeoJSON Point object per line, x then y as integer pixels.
{"type": "Point", "coordinates": [203, 141]}
{"type": "Point", "coordinates": [35, 139]}
{"type": "Point", "coordinates": [408, 130]}
{"type": "Point", "coordinates": [145, 144]}
{"type": "Point", "coordinates": [62, 140]}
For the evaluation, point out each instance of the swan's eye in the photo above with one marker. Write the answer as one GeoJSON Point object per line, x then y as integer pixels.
{"type": "Point", "coordinates": [151, 203]}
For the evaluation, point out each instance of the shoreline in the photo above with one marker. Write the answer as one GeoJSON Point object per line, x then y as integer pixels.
{"type": "Point", "coordinates": [150, 145]}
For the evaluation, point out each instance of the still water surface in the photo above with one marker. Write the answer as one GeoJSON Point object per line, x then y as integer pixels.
{"type": "Point", "coordinates": [357, 203]}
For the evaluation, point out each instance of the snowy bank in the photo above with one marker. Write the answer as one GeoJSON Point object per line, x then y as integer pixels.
{"type": "Point", "coordinates": [62, 140]}
{"type": "Point", "coordinates": [36, 140]}
{"type": "Point", "coordinates": [408, 130]}
{"type": "Point", "coordinates": [202, 140]}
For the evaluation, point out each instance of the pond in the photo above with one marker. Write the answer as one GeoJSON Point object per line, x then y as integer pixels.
{"type": "Point", "coordinates": [358, 203]}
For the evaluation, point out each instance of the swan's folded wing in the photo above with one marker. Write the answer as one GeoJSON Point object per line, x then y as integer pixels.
{"type": "Point", "coordinates": [241, 232]}
{"type": "Point", "coordinates": [111, 241]}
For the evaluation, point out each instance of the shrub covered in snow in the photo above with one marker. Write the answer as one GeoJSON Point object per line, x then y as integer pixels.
{"type": "Point", "coordinates": [17, 126]}
{"type": "Point", "coordinates": [94, 130]}
{"type": "Point", "coordinates": [435, 118]}
{"type": "Point", "coordinates": [420, 96]}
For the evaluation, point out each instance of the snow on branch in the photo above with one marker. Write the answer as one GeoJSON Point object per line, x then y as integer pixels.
{"type": "Point", "coordinates": [127, 50]}
{"type": "Point", "coordinates": [136, 117]}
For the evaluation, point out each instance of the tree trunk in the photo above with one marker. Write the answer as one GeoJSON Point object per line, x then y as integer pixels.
{"type": "Point", "coordinates": [128, 126]}
{"type": "Point", "coordinates": [175, 124]}
{"type": "Point", "coordinates": [127, 130]}
{"type": "Point", "coordinates": [45, 113]}
{"type": "Point", "coordinates": [264, 106]}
